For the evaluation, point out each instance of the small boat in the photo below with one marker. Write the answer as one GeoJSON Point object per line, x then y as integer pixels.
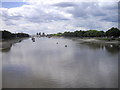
{"type": "Point", "coordinates": [33, 39]}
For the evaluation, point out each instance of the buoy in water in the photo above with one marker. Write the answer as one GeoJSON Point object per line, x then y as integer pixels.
{"type": "Point", "coordinates": [65, 45]}
{"type": "Point", "coordinates": [57, 43]}
{"type": "Point", "coordinates": [111, 45]}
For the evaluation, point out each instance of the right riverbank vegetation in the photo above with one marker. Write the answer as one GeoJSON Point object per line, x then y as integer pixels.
{"type": "Point", "coordinates": [111, 34]}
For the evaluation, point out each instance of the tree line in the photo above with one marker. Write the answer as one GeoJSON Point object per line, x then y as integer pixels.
{"type": "Point", "coordinates": [113, 32]}
{"type": "Point", "coordinates": [8, 35]}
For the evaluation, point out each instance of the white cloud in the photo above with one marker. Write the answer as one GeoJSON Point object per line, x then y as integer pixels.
{"type": "Point", "coordinates": [59, 15]}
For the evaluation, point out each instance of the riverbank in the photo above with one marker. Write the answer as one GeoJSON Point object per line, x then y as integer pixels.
{"type": "Point", "coordinates": [93, 40]}
{"type": "Point", "coordinates": [5, 44]}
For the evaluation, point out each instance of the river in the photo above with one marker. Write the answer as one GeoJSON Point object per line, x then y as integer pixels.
{"type": "Point", "coordinates": [47, 63]}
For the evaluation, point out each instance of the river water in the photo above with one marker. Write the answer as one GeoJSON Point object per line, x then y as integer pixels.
{"type": "Point", "coordinates": [47, 63]}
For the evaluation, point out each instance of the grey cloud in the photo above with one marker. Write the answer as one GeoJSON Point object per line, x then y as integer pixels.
{"type": "Point", "coordinates": [112, 6]}
{"type": "Point", "coordinates": [65, 4]}
{"type": "Point", "coordinates": [82, 9]}
{"type": "Point", "coordinates": [111, 18]}
{"type": "Point", "coordinates": [46, 18]}
{"type": "Point", "coordinates": [86, 10]}
{"type": "Point", "coordinates": [7, 17]}
{"type": "Point", "coordinates": [39, 17]}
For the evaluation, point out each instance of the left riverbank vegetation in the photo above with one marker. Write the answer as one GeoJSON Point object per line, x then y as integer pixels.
{"type": "Point", "coordinates": [111, 34]}
{"type": "Point", "coordinates": [6, 35]}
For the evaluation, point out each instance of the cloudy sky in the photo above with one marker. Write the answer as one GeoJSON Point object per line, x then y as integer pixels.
{"type": "Point", "coordinates": [53, 16]}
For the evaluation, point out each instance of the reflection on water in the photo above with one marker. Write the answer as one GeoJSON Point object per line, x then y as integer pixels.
{"type": "Point", "coordinates": [7, 49]}
{"type": "Point", "coordinates": [45, 64]}
{"type": "Point", "coordinates": [6, 46]}
{"type": "Point", "coordinates": [111, 48]}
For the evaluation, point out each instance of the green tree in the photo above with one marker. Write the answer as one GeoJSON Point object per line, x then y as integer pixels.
{"type": "Point", "coordinates": [6, 34]}
{"type": "Point", "coordinates": [115, 32]}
